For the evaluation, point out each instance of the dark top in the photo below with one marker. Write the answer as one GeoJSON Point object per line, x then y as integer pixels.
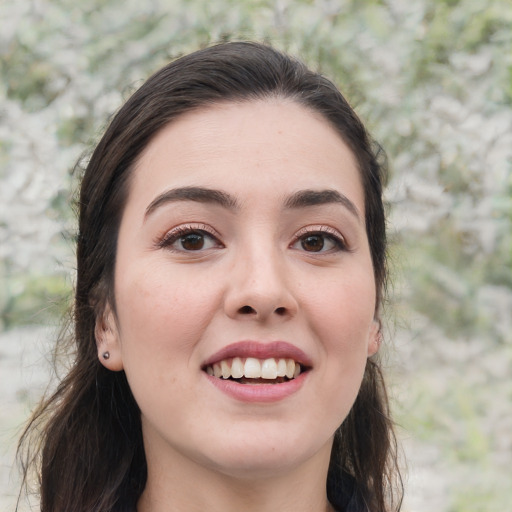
{"type": "Point", "coordinates": [344, 495]}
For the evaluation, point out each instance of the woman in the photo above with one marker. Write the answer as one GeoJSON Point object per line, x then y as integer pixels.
{"type": "Point", "coordinates": [231, 268]}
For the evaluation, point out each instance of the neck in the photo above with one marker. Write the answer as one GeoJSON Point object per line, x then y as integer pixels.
{"type": "Point", "coordinates": [180, 485]}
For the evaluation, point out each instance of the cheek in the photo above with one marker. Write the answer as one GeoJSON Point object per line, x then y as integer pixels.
{"type": "Point", "coordinates": [345, 306]}
{"type": "Point", "coordinates": [342, 315]}
{"type": "Point", "coordinates": [161, 318]}
{"type": "Point", "coordinates": [161, 309]}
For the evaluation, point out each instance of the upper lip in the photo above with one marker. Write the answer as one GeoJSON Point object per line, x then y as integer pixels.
{"type": "Point", "coordinates": [260, 350]}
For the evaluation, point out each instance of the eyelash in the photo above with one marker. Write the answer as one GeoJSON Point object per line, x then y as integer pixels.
{"type": "Point", "coordinates": [175, 234]}
{"type": "Point", "coordinates": [332, 234]}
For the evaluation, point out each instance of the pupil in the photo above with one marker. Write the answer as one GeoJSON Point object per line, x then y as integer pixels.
{"type": "Point", "coordinates": [192, 241]}
{"type": "Point", "coordinates": [313, 243]}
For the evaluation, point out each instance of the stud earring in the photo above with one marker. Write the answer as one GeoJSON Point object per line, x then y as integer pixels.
{"type": "Point", "coordinates": [106, 355]}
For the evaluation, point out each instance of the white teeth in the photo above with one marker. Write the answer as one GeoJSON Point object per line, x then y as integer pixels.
{"type": "Point", "coordinates": [226, 370]}
{"type": "Point", "coordinates": [281, 368]}
{"type": "Point", "coordinates": [269, 369]}
{"type": "Point", "coordinates": [253, 368]}
{"type": "Point", "coordinates": [290, 368]}
{"type": "Point", "coordinates": [237, 368]}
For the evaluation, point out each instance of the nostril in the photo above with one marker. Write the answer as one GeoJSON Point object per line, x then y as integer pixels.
{"type": "Point", "coordinates": [280, 311]}
{"type": "Point", "coordinates": [247, 310]}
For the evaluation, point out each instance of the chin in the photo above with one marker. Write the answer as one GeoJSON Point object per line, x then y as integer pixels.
{"type": "Point", "coordinates": [262, 466]}
{"type": "Point", "coordinates": [268, 456]}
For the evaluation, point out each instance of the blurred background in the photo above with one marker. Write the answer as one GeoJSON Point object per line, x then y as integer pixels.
{"type": "Point", "coordinates": [432, 79]}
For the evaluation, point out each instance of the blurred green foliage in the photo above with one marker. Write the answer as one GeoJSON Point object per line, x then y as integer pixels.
{"type": "Point", "coordinates": [35, 299]}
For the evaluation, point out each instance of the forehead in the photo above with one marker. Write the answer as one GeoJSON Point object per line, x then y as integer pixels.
{"type": "Point", "coordinates": [261, 146]}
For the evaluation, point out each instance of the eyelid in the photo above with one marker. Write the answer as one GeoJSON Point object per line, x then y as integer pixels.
{"type": "Point", "coordinates": [173, 234]}
{"type": "Point", "coordinates": [323, 229]}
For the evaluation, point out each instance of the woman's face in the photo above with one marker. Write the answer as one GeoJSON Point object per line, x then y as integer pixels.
{"type": "Point", "coordinates": [242, 252]}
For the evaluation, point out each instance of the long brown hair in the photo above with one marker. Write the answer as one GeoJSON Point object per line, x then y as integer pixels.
{"type": "Point", "coordinates": [86, 438]}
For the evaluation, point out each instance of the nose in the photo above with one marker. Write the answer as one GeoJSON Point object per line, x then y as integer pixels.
{"type": "Point", "coordinates": [260, 287]}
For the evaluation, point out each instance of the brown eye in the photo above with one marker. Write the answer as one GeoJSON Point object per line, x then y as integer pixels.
{"type": "Point", "coordinates": [185, 239]}
{"type": "Point", "coordinates": [192, 241]}
{"type": "Point", "coordinates": [324, 241]}
{"type": "Point", "coordinates": [313, 243]}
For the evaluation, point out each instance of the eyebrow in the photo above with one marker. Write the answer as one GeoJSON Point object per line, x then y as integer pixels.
{"type": "Point", "coordinates": [304, 198]}
{"type": "Point", "coordinates": [197, 194]}
{"type": "Point", "coordinates": [300, 199]}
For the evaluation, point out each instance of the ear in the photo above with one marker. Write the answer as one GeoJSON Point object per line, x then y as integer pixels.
{"type": "Point", "coordinates": [374, 337]}
{"type": "Point", "coordinates": [108, 343]}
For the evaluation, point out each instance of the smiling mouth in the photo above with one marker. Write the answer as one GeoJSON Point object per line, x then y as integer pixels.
{"type": "Point", "coordinates": [251, 370]}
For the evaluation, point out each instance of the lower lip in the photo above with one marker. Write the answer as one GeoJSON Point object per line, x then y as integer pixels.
{"type": "Point", "coordinates": [258, 392]}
